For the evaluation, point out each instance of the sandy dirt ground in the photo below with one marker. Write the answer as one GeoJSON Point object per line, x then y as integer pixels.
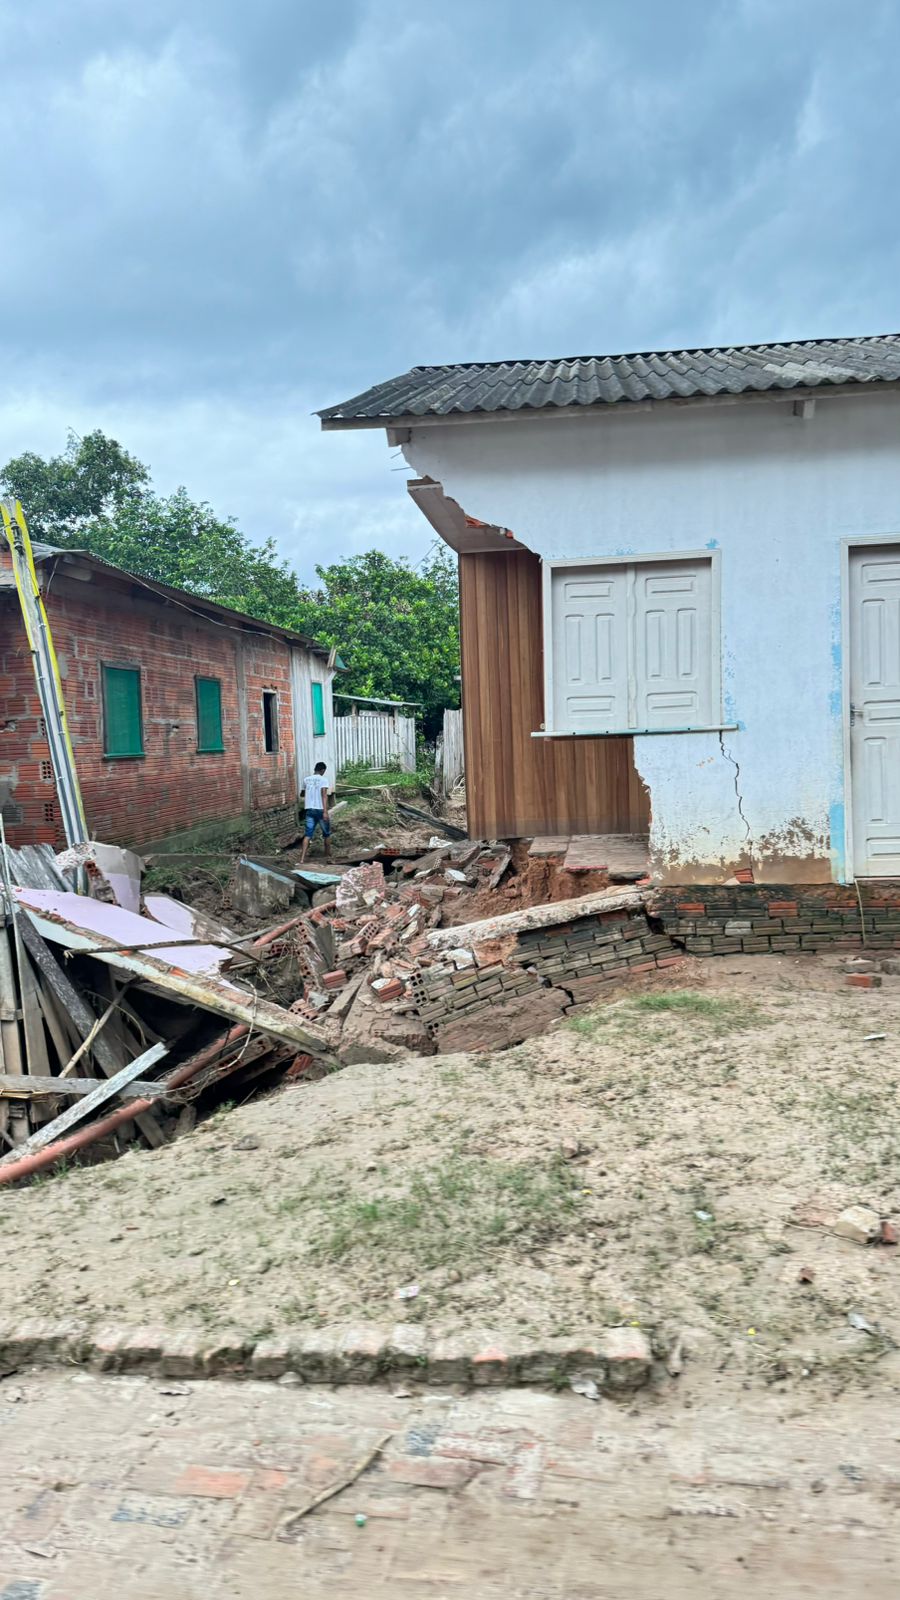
{"type": "Point", "coordinates": [673, 1158]}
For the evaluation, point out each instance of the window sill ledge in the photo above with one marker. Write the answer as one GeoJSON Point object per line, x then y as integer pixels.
{"type": "Point", "coordinates": [125, 755]}
{"type": "Point", "coordinates": [633, 733]}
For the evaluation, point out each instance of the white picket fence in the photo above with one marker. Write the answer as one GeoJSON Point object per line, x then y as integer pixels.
{"type": "Point", "coordinates": [377, 738]}
{"type": "Point", "coordinates": [450, 761]}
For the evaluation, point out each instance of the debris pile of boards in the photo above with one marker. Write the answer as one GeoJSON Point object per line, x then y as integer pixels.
{"type": "Point", "coordinates": [119, 1009]}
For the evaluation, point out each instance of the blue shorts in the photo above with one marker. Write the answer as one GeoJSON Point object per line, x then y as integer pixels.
{"type": "Point", "coordinates": [317, 819]}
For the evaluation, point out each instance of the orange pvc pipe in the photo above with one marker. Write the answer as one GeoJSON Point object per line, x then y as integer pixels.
{"type": "Point", "coordinates": [276, 933]}
{"type": "Point", "coordinates": [97, 1130]}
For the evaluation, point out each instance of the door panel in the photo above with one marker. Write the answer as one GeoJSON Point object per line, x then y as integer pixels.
{"type": "Point", "coordinates": [875, 710]}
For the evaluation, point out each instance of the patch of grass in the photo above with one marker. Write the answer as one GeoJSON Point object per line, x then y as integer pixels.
{"type": "Point", "coordinates": [862, 1143]}
{"type": "Point", "coordinates": [61, 1169]}
{"type": "Point", "coordinates": [456, 1211]}
{"type": "Point", "coordinates": [589, 1024]}
{"type": "Point", "coordinates": [687, 1002]}
{"type": "Point", "coordinates": [629, 1015]}
{"type": "Point", "coordinates": [357, 774]}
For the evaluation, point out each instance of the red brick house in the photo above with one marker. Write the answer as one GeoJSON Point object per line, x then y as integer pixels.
{"type": "Point", "coordinates": [183, 714]}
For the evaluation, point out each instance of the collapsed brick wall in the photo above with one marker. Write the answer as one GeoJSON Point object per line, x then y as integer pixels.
{"type": "Point", "coordinates": [548, 972]}
{"type": "Point", "coordinates": [718, 921]}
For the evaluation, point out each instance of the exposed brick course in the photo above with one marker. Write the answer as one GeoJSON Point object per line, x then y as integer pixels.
{"type": "Point", "coordinates": [573, 962]}
{"type": "Point", "coordinates": [756, 918]}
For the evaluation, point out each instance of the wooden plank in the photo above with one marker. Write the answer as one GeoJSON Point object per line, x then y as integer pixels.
{"type": "Point", "coordinates": [89, 1104]}
{"type": "Point", "coordinates": [37, 1055]}
{"type": "Point", "coordinates": [14, 1086]}
{"type": "Point", "coordinates": [550, 845]}
{"type": "Point", "coordinates": [59, 1026]}
{"type": "Point", "coordinates": [83, 1019]}
{"type": "Point", "coordinates": [516, 786]}
{"type": "Point", "coordinates": [9, 1027]}
{"type": "Point", "coordinates": [545, 916]}
{"type": "Point", "coordinates": [438, 823]}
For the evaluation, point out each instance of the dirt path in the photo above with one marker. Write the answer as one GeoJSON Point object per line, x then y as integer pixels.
{"type": "Point", "coordinates": [673, 1159]}
{"type": "Point", "coordinates": [143, 1490]}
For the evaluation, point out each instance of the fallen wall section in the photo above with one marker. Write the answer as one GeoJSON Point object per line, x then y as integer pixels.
{"type": "Point", "coordinates": [476, 999]}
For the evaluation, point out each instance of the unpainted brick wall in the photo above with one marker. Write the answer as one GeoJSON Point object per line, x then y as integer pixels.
{"type": "Point", "coordinates": [581, 957]}
{"type": "Point", "coordinates": [172, 787]}
{"type": "Point", "coordinates": [712, 920]}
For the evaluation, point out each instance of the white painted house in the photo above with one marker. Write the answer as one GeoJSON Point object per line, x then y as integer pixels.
{"type": "Point", "coordinates": [715, 535]}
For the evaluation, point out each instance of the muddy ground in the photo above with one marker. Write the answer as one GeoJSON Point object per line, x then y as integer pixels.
{"type": "Point", "coordinates": [673, 1157]}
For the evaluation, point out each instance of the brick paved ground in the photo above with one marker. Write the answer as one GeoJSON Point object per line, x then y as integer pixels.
{"type": "Point", "coordinates": [139, 1489]}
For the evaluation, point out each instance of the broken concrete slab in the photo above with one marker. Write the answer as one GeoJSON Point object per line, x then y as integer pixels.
{"type": "Point", "coordinates": [259, 891]}
{"type": "Point", "coordinates": [187, 922]}
{"type": "Point", "coordinates": [543, 916]}
{"type": "Point", "coordinates": [117, 868]}
{"type": "Point", "coordinates": [372, 1031]}
{"type": "Point", "coordinates": [317, 880]}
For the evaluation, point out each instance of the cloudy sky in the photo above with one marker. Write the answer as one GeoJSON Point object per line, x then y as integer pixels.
{"type": "Point", "coordinates": [219, 216]}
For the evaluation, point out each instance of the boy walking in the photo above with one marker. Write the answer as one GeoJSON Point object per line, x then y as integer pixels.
{"type": "Point", "coordinates": [315, 800]}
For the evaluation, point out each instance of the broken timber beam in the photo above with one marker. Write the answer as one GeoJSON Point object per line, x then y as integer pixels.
{"type": "Point", "coordinates": [29, 1086]}
{"type": "Point", "coordinates": [446, 828]}
{"type": "Point", "coordinates": [78, 924]}
{"type": "Point", "coordinates": [544, 916]}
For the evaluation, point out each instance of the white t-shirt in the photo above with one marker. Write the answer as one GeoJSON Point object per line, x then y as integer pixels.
{"type": "Point", "coordinates": [314, 788]}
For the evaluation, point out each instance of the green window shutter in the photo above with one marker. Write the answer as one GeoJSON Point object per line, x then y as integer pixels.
{"type": "Point", "coordinates": [318, 709]}
{"type": "Point", "coordinates": [122, 724]}
{"type": "Point", "coordinates": [209, 714]}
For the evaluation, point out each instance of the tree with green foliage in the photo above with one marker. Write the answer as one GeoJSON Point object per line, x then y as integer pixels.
{"type": "Point", "coordinates": [68, 494]}
{"type": "Point", "coordinates": [97, 497]}
{"type": "Point", "coordinates": [396, 626]}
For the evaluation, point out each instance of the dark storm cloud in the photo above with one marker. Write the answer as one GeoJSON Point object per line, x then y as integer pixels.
{"type": "Point", "coordinates": [219, 216]}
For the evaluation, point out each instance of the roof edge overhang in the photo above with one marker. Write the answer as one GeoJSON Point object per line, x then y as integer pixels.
{"type": "Point", "coordinates": [466, 535]}
{"type": "Point", "coordinates": [82, 564]}
{"type": "Point", "coordinates": [400, 427]}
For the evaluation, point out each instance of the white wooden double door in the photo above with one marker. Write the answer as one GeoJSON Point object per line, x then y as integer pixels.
{"type": "Point", "coordinates": [874, 710]}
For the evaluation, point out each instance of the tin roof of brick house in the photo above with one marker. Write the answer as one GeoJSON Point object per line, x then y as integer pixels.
{"type": "Point", "coordinates": [468, 390]}
{"type": "Point", "coordinates": [82, 563]}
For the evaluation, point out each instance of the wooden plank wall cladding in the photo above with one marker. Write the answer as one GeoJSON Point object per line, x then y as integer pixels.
{"type": "Point", "coordinates": [517, 786]}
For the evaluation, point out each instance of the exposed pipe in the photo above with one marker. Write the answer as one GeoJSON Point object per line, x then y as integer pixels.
{"type": "Point", "coordinates": [276, 933]}
{"type": "Point", "coordinates": [97, 1130]}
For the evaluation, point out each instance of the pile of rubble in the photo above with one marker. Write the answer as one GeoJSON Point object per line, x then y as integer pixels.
{"type": "Point", "coordinates": [112, 996]}
{"type": "Point", "coordinates": [392, 966]}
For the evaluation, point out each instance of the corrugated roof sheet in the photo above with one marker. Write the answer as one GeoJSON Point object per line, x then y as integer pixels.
{"type": "Point", "coordinates": [474, 387]}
